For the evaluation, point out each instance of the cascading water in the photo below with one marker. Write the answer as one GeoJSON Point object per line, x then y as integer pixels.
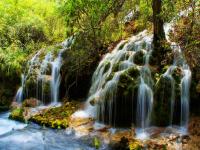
{"type": "Point", "coordinates": [168, 76]}
{"type": "Point", "coordinates": [108, 94]}
{"type": "Point", "coordinates": [39, 68]}
{"type": "Point", "coordinates": [185, 95]}
{"type": "Point", "coordinates": [55, 74]}
{"type": "Point", "coordinates": [104, 96]}
{"type": "Point", "coordinates": [108, 77]}
{"type": "Point", "coordinates": [144, 108]}
{"type": "Point", "coordinates": [19, 95]}
{"type": "Point", "coordinates": [180, 62]}
{"type": "Point", "coordinates": [32, 63]}
{"type": "Point", "coordinates": [41, 79]}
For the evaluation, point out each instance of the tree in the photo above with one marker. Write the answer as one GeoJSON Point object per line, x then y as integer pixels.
{"type": "Point", "coordinates": [158, 31]}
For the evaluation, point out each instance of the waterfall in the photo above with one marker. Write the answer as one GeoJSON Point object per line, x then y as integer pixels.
{"type": "Point", "coordinates": [185, 95]}
{"type": "Point", "coordinates": [104, 103]}
{"type": "Point", "coordinates": [45, 70]}
{"type": "Point", "coordinates": [108, 94]}
{"type": "Point", "coordinates": [144, 108]}
{"type": "Point", "coordinates": [56, 77]}
{"type": "Point", "coordinates": [19, 95]}
{"type": "Point", "coordinates": [31, 63]}
{"type": "Point", "coordinates": [179, 61]}
{"type": "Point", "coordinates": [168, 75]}
{"type": "Point", "coordinates": [41, 79]}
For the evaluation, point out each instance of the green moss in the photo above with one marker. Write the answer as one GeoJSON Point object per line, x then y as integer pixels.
{"type": "Point", "coordinates": [107, 66]}
{"type": "Point", "coordinates": [139, 57]}
{"type": "Point", "coordinates": [122, 46]}
{"type": "Point", "coordinates": [133, 72]}
{"type": "Point", "coordinates": [96, 143]}
{"type": "Point", "coordinates": [46, 87]}
{"type": "Point", "coordinates": [17, 114]}
{"type": "Point", "coordinates": [58, 117]}
{"type": "Point", "coordinates": [115, 67]}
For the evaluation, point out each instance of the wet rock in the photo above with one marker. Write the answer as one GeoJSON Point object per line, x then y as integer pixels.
{"type": "Point", "coordinates": [15, 105]}
{"type": "Point", "coordinates": [122, 145]}
{"type": "Point", "coordinates": [139, 57]}
{"type": "Point", "coordinates": [32, 102]}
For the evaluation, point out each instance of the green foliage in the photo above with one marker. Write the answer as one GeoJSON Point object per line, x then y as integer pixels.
{"type": "Point", "coordinates": [26, 26]}
{"type": "Point", "coordinates": [104, 20]}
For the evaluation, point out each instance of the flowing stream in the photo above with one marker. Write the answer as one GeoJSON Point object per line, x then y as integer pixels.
{"type": "Point", "coordinates": [19, 136]}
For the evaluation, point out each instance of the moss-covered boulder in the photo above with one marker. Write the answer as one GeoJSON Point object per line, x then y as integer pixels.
{"type": "Point", "coordinates": [57, 117]}
{"type": "Point", "coordinates": [17, 114]}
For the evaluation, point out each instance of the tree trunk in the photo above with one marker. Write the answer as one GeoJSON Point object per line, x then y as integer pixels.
{"type": "Point", "coordinates": [159, 40]}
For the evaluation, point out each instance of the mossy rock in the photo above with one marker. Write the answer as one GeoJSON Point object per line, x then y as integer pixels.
{"type": "Point", "coordinates": [58, 117]}
{"type": "Point", "coordinates": [17, 114]}
{"type": "Point", "coordinates": [115, 67]}
{"type": "Point", "coordinates": [139, 57]}
{"type": "Point", "coordinates": [107, 66]}
{"type": "Point", "coordinates": [42, 87]}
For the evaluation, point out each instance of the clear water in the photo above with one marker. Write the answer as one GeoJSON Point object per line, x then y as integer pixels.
{"type": "Point", "coordinates": [19, 136]}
